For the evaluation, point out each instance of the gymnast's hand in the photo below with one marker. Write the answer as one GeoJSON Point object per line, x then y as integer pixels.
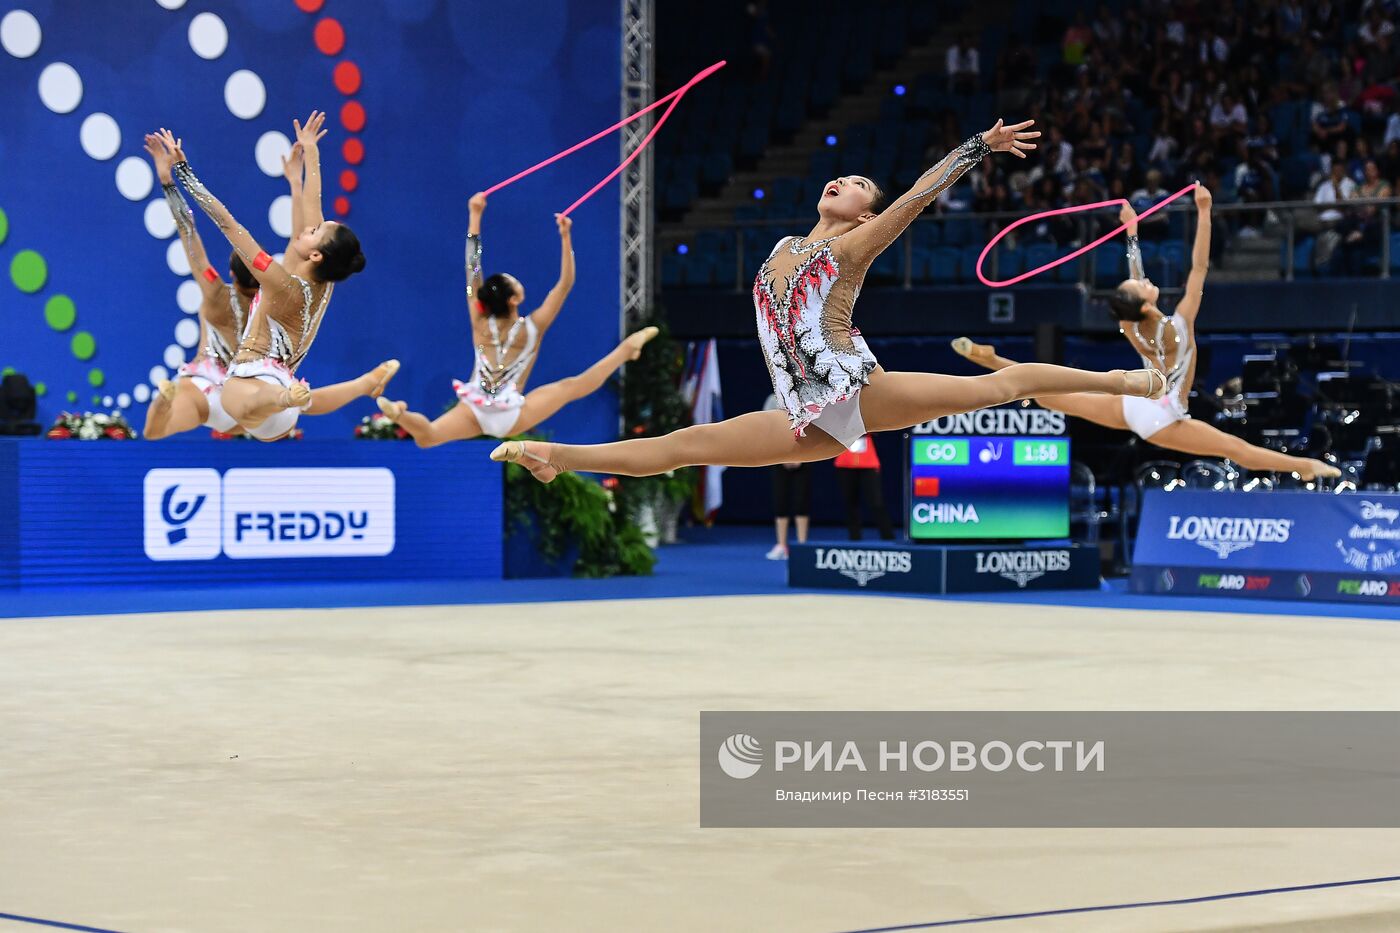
{"type": "Point", "coordinates": [1203, 197]}
{"type": "Point", "coordinates": [310, 134]}
{"type": "Point", "coordinates": [1002, 138]}
{"type": "Point", "coordinates": [172, 145]}
{"type": "Point", "coordinates": [565, 225]}
{"type": "Point", "coordinates": [477, 204]}
{"type": "Point", "coordinates": [292, 163]}
{"type": "Point", "coordinates": [1126, 215]}
{"type": "Point", "coordinates": [161, 157]}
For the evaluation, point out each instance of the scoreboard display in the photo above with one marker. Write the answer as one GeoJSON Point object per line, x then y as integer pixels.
{"type": "Point", "coordinates": [988, 487]}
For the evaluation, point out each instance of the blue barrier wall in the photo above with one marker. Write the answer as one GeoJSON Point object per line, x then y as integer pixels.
{"type": "Point", "coordinates": [181, 513]}
{"type": "Point", "coordinates": [1284, 545]}
{"type": "Point", "coordinates": [456, 96]}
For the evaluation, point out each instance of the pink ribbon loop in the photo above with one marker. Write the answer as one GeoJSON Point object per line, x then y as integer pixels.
{"type": "Point", "coordinates": [1077, 253]}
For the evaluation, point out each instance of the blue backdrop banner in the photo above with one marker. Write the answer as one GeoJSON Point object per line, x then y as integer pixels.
{"type": "Point", "coordinates": [1283, 544]}
{"type": "Point", "coordinates": [179, 514]}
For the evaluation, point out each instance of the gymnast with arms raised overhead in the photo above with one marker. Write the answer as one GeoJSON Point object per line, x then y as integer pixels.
{"type": "Point", "coordinates": [493, 401]}
{"type": "Point", "coordinates": [1167, 342]}
{"type": "Point", "coordinates": [822, 371]}
{"type": "Point", "coordinates": [262, 392]}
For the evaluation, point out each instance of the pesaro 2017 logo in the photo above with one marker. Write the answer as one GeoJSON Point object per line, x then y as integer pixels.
{"type": "Point", "coordinates": [863, 565]}
{"type": "Point", "coordinates": [197, 514]}
{"type": "Point", "coordinates": [1225, 535]}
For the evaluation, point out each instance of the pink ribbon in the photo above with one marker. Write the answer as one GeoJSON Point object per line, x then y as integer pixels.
{"type": "Point", "coordinates": [673, 98]}
{"type": "Point", "coordinates": [1079, 252]}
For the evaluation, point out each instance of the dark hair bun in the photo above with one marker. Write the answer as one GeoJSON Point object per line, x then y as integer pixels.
{"type": "Point", "coordinates": [357, 263]}
{"type": "Point", "coordinates": [341, 256]}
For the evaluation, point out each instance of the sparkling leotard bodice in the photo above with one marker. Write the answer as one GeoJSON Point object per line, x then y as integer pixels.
{"type": "Point", "coordinates": [805, 293]}
{"type": "Point", "coordinates": [264, 337]}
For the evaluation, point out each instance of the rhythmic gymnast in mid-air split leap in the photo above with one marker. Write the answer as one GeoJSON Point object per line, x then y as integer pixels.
{"type": "Point", "coordinates": [507, 342]}
{"type": "Point", "coordinates": [1168, 343]}
{"type": "Point", "coordinates": [262, 393]}
{"type": "Point", "coordinates": [822, 371]}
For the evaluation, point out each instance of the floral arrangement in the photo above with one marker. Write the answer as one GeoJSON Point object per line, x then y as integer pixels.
{"type": "Point", "coordinates": [91, 426]}
{"type": "Point", "coordinates": [378, 427]}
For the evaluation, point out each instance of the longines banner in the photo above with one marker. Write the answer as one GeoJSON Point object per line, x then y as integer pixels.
{"type": "Point", "coordinates": [183, 513]}
{"type": "Point", "coordinates": [1043, 769]}
{"type": "Point", "coordinates": [1292, 545]}
{"type": "Point", "coordinates": [924, 568]}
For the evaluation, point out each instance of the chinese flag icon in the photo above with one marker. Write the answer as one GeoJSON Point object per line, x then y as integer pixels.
{"type": "Point", "coordinates": [926, 487]}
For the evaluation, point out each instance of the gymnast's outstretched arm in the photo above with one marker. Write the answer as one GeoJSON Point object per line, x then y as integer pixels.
{"type": "Point", "coordinates": [1190, 304]}
{"type": "Point", "coordinates": [293, 166]}
{"type": "Point", "coordinates": [200, 269]}
{"type": "Point", "coordinates": [264, 269]}
{"type": "Point", "coordinates": [1126, 215]}
{"type": "Point", "coordinates": [309, 137]}
{"type": "Point", "coordinates": [871, 238]}
{"type": "Point", "coordinates": [544, 315]}
{"type": "Point", "coordinates": [476, 207]}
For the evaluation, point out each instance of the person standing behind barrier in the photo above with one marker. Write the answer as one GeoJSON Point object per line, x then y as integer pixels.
{"type": "Point", "coordinates": [858, 470]}
{"type": "Point", "coordinates": [792, 497]}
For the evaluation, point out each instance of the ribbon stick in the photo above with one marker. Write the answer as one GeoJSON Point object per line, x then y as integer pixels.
{"type": "Point", "coordinates": [672, 97]}
{"type": "Point", "coordinates": [1077, 253]}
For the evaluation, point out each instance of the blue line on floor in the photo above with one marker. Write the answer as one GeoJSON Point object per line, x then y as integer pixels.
{"type": "Point", "coordinates": [1085, 910]}
{"type": "Point", "coordinates": [54, 923]}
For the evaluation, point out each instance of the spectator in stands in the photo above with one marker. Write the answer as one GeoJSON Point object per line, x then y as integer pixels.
{"type": "Point", "coordinates": [1373, 187]}
{"type": "Point", "coordinates": [1392, 125]}
{"type": "Point", "coordinates": [1214, 47]}
{"type": "Point", "coordinates": [1337, 187]}
{"type": "Point", "coordinates": [1059, 155]}
{"type": "Point", "coordinates": [1108, 30]}
{"type": "Point", "coordinates": [1154, 227]}
{"type": "Point", "coordinates": [1316, 64]}
{"type": "Point", "coordinates": [1162, 155]}
{"type": "Point", "coordinates": [1078, 37]}
{"type": "Point", "coordinates": [1290, 21]}
{"type": "Point", "coordinates": [1325, 20]}
{"type": "Point", "coordinates": [1125, 168]}
{"type": "Point", "coordinates": [964, 66]}
{"type": "Point", "coordinates": [1376, 25]}
{"type": "Point", "coordinates": [1229, 122]}
{"type": "Point", "coordinates": [760, 37]}
{"type": "Point", "coordinates": [1013, 64]}
{"type": "Point", "coordinates": [1329, 119]}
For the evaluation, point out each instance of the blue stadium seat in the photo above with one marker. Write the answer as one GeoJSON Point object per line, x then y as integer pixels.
{"type": "Point", "coordinates": [943, 265]}
{"type": "Point", "coordinates": [969, 262]}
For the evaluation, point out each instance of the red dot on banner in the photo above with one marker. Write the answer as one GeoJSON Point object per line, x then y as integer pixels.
{"type": "Point", "coordinates": [342, 206]}
{"type": "Point", "coordinates": [349, 180]}
{"type": "Point", "coordinates": [330, 38]}
{"type": "Point", "coordinates": [310, 6]}
{"type": "Point", "coordinates": [352, 116]}
{"type": "Point", "coordinates": [353, 151]}
{"type": "Point", "coordinates": [347, 77]}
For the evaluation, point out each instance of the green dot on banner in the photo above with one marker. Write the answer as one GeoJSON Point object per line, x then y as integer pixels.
{"type": "Point", "coordinates": [84, 346]}
{"type": "Point", "coordinates": [60, 312]}
{"type": "Point", "coordinates": [28, 271]}
{"type": "Point", "coordinates": [97, 400]}
{"type": "Point", "coordinates": [96, 378]}
{"type": "Point", "coordinates": [72, 396]}
{"type": "Point", "coordinates": [41, 388]}
{"type": "Point", "coordinates": [4, 226]}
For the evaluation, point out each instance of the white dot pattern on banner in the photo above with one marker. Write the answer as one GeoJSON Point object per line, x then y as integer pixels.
{"type": "Point", "coordinates": [189, 297]}
{"type": "Point", "coordinates": [279, 215]}
{"type": "Point", "coordinates": [106, 401]}
{"type": "Point", "coordinates": [141, 393]}
{"type": "Point", "coordinates": [171, 4]}
{"type": "Point", "coordinates": [244, 94]}
{"type": "Point", "coordinates": [208, 36]}
{"type": "Point", "coordinates": [100, 136]}
{"type": "Point", "coordinates": [187, 333]}
{"type": "Point", "coordinates": [60, 88]}
{"type": "Point", "coordinates": [176, 259]}
{"type": "Point", "coordinates": [280, 257]}
{"type": "Point", "coordinates": [123, 400]}
{"type": "Point", "coordinates": [135, 178]}
{"type": "Point", "coordinates": [20, 33]}
{"type": "Point", "coordinates": [159, 223]}
{"type": "Point", "coordinates": [174, 356]}
{"type": "Point", "coordinates": [159, 374]}
{"type": "Point", "coordinates": [271, 148]}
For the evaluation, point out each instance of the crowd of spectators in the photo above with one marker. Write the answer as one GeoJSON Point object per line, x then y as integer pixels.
{"type": "Point", "coordinates": [1146, 97]}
